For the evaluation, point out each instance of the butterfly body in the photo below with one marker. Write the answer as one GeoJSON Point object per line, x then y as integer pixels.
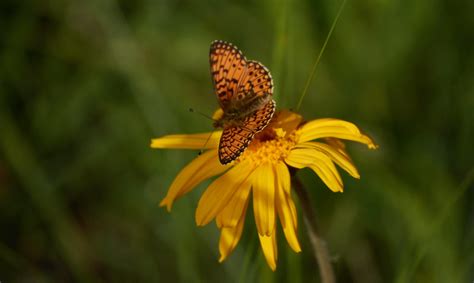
{"type": "Point", "coordinates": [244, 90]}
{"type": "Point", "coordinates": [236, 115]}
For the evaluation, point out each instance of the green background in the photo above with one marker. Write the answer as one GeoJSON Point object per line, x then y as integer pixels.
{"type": "Point", "coordinates": [85, 85]}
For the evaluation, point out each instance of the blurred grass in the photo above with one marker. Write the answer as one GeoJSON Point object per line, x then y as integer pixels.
{"type": "Point", "coordinates": [85, 85]}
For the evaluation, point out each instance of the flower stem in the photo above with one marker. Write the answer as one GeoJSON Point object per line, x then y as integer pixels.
{"type": "Point", "coordinates": [321, 252]}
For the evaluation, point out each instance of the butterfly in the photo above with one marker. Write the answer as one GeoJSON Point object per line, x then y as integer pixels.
{"type": "Point", "coordinates": [244, 89]}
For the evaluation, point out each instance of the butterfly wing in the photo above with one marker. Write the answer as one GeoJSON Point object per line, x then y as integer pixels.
{"type": "Point", "coordinates": [228, 65]}
{"type": "Point", "coordinates": [236, 81]}
{"type": "Point", "coordinates": [235, 139]}
{"type": "Point", "coordinates": [256, 82]}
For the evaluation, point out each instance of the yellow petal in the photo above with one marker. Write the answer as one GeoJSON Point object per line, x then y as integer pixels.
{"type": "Point", "coordinates": [230, 236]}
{"type": "Point", "coordinates": [269, 248]}
{"type": "Point", "coordinates": [283, 175]}
{"type": "Point", "coordinates": [335, 154]}
{"type": "Point", "coordinates": [320, 163]}
{"type": "Point", "coordinates": [300, 158]}
{"type": "Point", "coordinates": [194, 141]}
{"type": "Point", "coordinates": [338, 145]}
{"type": "Point", "coordinates": [286, 120]}
{"type": "Point", "coordinates": [219, 192]}
{"type": "Point", "coordinates": [232, 212]}
{"type": "Point", "coordinates": [263, 181]}
{"type": "Point", "coordinates": [329, 176]}
{"type": "Point", "coordinates": [286, 216]}
{"type": "Point", "coordinates": [324, 128]}
{"type": "Point", "coordinates": [284, 183]}
{"type": "Point", "coordinates": [201, 168]}
{"type": "Point", "coordinates": [291, 205]}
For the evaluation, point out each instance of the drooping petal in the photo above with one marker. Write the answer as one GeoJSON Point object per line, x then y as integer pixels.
{"type": "Point", "coordinates": [230, 236]}
{"type": "Point", "coordinates": [219, 192]}
{"type": "Point", "coordinates": [194, 141]}
{"type": "Point", "coordinates": [339, 145]}
{"type": "Point", "coordinates": [232, 212]}
{"type": "Point", "coordinates": [320, 163]}
{"type": "Point", "coordinates": [286, 216]}
{"type": "Point", "coordinates": [201, 168]}
{"type": "Point", "coordinates": [263, 181]}
{"type": "Point", "coordinates": [323, 128]}
{"type": "Point", "coordinates": [329, 176]}
{"type": "Point", "coordinates": [269, 248]}
{"type": "Point", "coordinates": [283, 175]}
{"type": "Point", "coordinates": [292, 206]}
{"type": "Point", "coordinates": [339, 158]}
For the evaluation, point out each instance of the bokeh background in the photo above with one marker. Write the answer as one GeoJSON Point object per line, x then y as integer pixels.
{"type": "Point", "coordinates": [85, 85]}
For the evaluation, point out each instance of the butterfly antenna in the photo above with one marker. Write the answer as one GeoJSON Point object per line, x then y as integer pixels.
{"type": "Point", "coordinates": [201, 113]}
{"type": "Point", "coordinates": [209, 137]}
{"type": "Point", "coordinates": [204, 146]}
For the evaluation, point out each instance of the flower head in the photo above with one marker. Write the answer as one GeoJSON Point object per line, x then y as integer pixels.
{"type": "Point", "coordinates": [263, 172]}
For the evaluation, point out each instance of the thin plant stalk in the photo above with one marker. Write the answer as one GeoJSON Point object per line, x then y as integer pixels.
{"type": "Point", "coordinates": [321, 252]}
{"type": "Point", "coordinates": [316, 63]}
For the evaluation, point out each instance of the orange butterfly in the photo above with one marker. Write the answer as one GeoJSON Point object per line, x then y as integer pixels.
{"type": "Point", "coordinates": [244, 90]}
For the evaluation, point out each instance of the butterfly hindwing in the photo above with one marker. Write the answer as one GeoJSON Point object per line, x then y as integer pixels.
{"type": "Point", "coordinates": [235, 139]}
{"type": "Point", "coordinates": [256, 82]}
{"type": "Point", "coordinates": [260, 118]}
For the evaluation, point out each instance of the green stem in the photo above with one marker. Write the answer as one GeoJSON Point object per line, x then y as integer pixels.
{"type": "Point", "coordinates": [321, 252]}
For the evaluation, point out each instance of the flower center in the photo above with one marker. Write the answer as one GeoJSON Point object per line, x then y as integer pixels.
{"type": "Point", "coordinates": [270, 145]}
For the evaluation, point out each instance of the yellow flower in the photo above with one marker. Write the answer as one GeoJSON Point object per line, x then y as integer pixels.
{"type": "Point", "coordinates": [263, 170]}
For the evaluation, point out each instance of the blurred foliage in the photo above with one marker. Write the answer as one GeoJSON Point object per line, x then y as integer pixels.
{"type": "Point", "coordinates": [85, 85]}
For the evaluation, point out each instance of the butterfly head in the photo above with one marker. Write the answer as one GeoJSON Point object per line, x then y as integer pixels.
{"type": "Point", "coordinates": [228, 118]}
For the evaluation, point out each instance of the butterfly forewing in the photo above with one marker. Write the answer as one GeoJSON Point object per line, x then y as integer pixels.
{"type": "Point", "coordinates": [228, 66]}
